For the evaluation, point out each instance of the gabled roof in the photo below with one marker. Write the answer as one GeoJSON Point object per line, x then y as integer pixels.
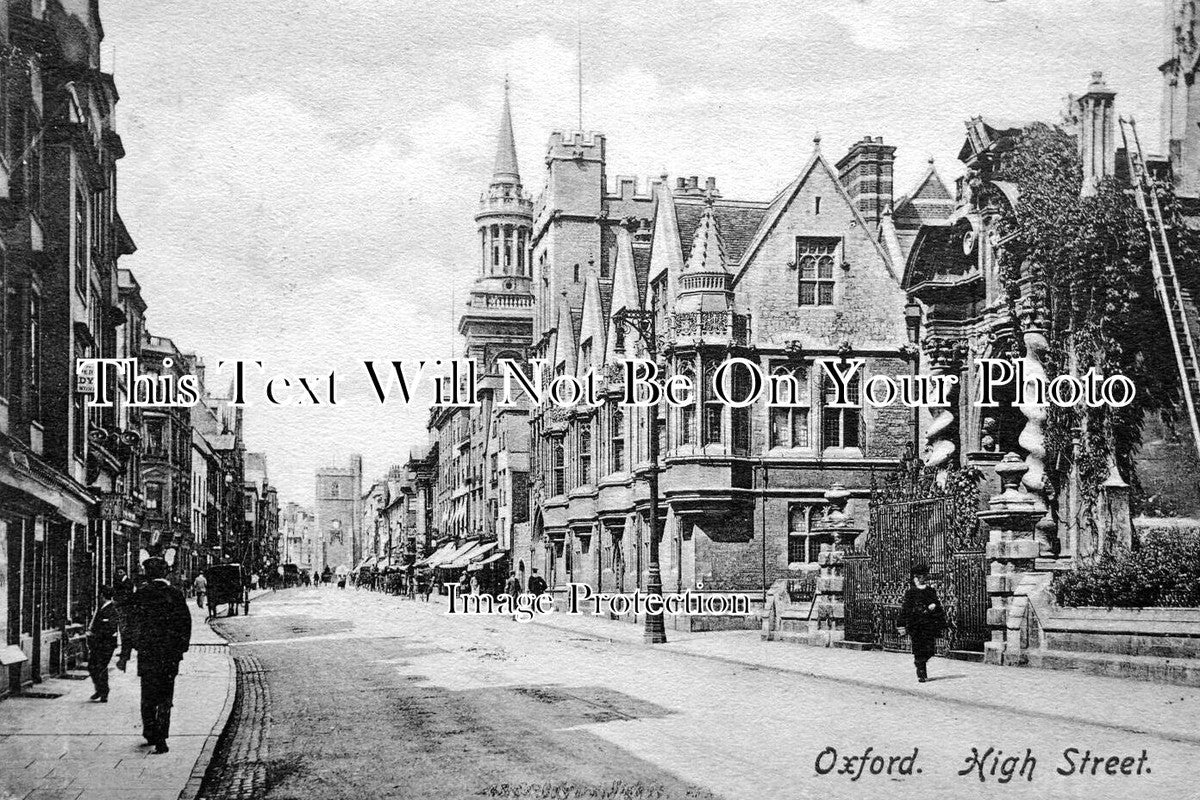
{"type": "Point", "coordinates": [782, 200]}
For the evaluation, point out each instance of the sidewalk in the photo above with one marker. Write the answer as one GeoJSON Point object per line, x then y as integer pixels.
{"type": "Point", "coordinates": [1162, 710]}
{"type": "Point", "coordinates": [69, 748]}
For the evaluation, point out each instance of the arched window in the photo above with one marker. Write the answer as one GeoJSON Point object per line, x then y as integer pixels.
{"type": "Point", "coordinates": [713, 407]}
{"type": "Point", "coordinates": [687, 413]}
{"type": "Point", "coordinates": [616, 433]}
{"type": "Point", "coordinates": [585, 451]}
{"type": "Point", "coordinates": [558, 460]}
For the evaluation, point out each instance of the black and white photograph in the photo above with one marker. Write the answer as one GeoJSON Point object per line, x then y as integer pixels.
{"type": "Point", "coordinates": [628, 400]}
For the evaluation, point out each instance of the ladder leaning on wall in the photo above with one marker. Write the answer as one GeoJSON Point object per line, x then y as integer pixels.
{"type": "Point", "coordinates": [1166, 282]}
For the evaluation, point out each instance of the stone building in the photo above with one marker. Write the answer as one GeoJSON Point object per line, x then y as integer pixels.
{"type": "Point", "coordinates": [68, 488]}
{"type": "Point", "coordinates": [296, 534]}
{"type": "Point", "coordinates": [741, 487]}
{"type": "Point", "coordinates": [482, 451]}
{"type": "Point", "coordinates": [338, 513]}
{"type": "Point", "coordinates": [167, 458]}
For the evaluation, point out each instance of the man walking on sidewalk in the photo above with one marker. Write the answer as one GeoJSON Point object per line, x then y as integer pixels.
{"type": "Point", "coordinates": [162, 629]}
{"type": "Point", "coordinates": [102, 641]}
{"type": "Point", "coordinates": [200, 585]}
{"type": "Point", "coordinates": [922, 618]}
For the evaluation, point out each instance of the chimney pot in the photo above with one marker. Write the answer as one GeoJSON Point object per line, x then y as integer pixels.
{"type": "Point", "coordinates": [680, 183]}
{"type": "Point", "coordinates": [710, 183]}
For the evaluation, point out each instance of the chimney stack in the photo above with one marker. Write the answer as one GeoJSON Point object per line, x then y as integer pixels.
{"type": "Point", "coordinates": [866, 173]}
{"type": "Point", "coordinates": [1097, 134]}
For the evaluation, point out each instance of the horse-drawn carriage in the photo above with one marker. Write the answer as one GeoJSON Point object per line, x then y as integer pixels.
{"type": "Point", "coordinates": [227, 586]}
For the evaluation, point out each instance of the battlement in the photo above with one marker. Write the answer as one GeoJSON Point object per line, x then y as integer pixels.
{"type": "Point", "coordinates": [629, 187]}
{"type": "Point", "coordinates": [571, 145]}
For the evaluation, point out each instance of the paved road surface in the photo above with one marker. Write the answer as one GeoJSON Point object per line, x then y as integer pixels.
{"type": "Point", "coordinates": [355, 694]}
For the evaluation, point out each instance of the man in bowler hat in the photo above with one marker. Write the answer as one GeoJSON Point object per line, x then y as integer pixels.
{"type": "Point", "coordinates": [922, 618]}
{"type": "Point", "coordinates": [161, 629]}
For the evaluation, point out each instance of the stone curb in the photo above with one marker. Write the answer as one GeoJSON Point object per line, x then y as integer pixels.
{"type": "Point", "coordinates": [863, 683]}
{"type": "Point", "coordinates": [200, 768]}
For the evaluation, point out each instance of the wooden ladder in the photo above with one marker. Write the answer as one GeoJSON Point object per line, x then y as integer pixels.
{"type": "Point", "coordinates": [1174, 300]}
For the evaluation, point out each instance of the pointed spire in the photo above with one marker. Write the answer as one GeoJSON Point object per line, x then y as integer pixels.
{"type": "Point", "coordinates": [506, 170]}
{"type": "Point", "coordinates": [708, 248]}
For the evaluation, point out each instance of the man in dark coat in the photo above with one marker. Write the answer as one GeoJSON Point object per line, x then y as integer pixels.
{"type": "Point", "coordinates": [922, 618]}
{"type": "Point", "coordinates": [161, 629]}
{"type": "Point", "coordinates": [102, 641]}
{"type": "Point", "coordinates": [537, 585]}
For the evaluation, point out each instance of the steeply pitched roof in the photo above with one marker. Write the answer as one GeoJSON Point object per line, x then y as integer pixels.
{"type": "Point", "coordinates": [780, 204]}
{"type": "Point", "coordinates": [737, 220]}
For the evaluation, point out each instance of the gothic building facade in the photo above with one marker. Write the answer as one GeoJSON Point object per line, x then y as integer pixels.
{"type": "Point", "coordinates": [808, 277]}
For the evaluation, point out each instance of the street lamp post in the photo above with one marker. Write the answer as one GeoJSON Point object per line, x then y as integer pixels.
{"type": "Point", "coordinates": [912, 321]}
{"type": "Point", "coordinates": [642, 321]}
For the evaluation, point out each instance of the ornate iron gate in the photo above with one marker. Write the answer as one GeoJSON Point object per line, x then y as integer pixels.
{"type": "Point", "coordinates": [911, 522]}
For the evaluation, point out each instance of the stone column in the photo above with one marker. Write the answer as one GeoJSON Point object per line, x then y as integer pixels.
{"type": "Point", "coordinates": [940, 438]}
{"type": "Point", "coordinates": [830, 583]}
{"type": "Point", "coordinates": [1011, 552]}
{"type": "Point", "coordinates": [1032, 437]}
{"type": "Point", "coordinates": [1114, 519]}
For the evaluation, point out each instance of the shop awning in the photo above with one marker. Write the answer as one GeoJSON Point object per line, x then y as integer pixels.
{"type": "Point", "coordinates": [381, 562]}
{"type": "Point", "coordinates": [477, 552]}
{"type": "Point", "coordinates": [436, 555]}
{"type": "Point", "coordinates": [445, 560]}
{"type": "Point", "coordinates": [480, 564]}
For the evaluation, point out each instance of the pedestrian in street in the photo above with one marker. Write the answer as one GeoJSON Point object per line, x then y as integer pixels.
{"type": "Point", "coordinates": [161, 628]}
{"type": "Point", "coordinates": [475, 585]}
{"type": "Point", "coordinates": [464, 584]}
{"type": "Point", "coordinates": [122, 596]}
{"type": "Point", "coordinates": [101, 642]}
{"type": "Point", "coordinates": [921, 618]}
{"type": "Point", "coordinates": [537, 584]}
{"type": "Point", "coordinates": [200, 586]}
{"type": "Point", "coordinates": [512, 587]}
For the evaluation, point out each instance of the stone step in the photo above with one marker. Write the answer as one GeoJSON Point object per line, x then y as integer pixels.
{"type": "Point", "coordinates": [1156, 669]}
{"type": "Point", "coordinates": [966, 655]}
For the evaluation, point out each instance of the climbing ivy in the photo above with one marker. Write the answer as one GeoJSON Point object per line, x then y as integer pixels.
{"type": "Point", "coordinates": [1083, 266]}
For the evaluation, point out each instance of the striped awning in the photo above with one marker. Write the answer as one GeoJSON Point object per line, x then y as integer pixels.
{"type": "Point", "coordinates": [477, 551]}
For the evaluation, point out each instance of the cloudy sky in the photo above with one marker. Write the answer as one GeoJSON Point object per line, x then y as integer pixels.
{"type": "Point", "coordinates": [301, 174]}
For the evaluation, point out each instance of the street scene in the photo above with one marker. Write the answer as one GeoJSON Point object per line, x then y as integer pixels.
{"type": "Point", "coordinates": [630, 401]}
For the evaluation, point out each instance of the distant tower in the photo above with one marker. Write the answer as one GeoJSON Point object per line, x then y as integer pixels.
{"type": "Point", "coordinates": [499, 315]}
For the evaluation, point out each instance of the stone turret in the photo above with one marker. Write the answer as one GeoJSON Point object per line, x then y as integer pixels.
{"type": "Point", "coordinates": [505, 218]}
{"type": "Point", "coordinates": [706, 283]}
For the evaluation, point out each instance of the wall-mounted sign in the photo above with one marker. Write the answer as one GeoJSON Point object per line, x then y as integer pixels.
{"type": "Point", "coordinates": [85, 376]}
{"type": "Point", "coordinates": [112, 507]}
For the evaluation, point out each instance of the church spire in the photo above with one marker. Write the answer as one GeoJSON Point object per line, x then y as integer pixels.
{"type": "Point", "coordinates": [506, 170]}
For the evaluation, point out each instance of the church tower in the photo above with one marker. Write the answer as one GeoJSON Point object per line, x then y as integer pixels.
{"type": "Point", "coordinates": [498, 320]}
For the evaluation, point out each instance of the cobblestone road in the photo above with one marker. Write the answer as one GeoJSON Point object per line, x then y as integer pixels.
{"type": "Point", "coordinates": [357, 695]}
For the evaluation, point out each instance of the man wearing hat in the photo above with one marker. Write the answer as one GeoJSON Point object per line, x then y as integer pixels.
{"type": "Point", "coordinates": [161, 629]}
{"type": "Point", "coordinates": [922, 618]}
